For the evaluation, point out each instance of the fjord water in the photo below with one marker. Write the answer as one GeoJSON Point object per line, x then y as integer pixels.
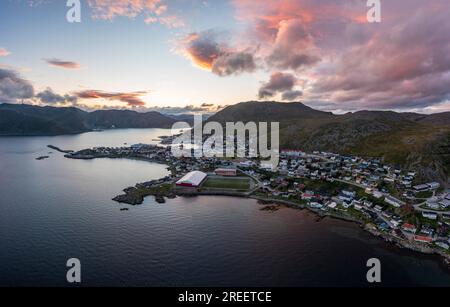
{"type": "Point", "coordinates": [56, 209]}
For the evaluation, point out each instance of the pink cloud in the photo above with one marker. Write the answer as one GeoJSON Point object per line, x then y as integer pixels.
{"type": "Point", "coordinates": [4, 52]}
{"type": "Point", "coordinates": [63, 64]}
{"type": "Point", "coordinates": [132, 99]}
{"type": "Point", "coordinates": [403, 62]}
{"type": "Point", "coordinates": [208, 50]}
{"type": "Point", "coordinates": [153, 10]}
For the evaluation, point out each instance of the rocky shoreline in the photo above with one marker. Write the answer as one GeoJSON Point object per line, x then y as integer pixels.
{"type": "Point", "coordinates": [136, 195]}
{"type": "Point", "coordinates": [404, 244]}
{"type": "Point", "coordinates": [399, 242]}
{"type": "Point", "coordinates": [59, 149]}
{"type": "Point", "coordinates": [165, 188]}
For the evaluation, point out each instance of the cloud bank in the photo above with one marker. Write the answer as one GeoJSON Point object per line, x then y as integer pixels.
{"type": "Point", "coordinates": [49, 97]}
{"type": "Point", "coordinates": [63, 64]}
{"type": "Point", "coordinates": [279, 83]}
{"type": "Point", "coordinates": [13, 87]}
{"type": "Point", "coordinates": [132, 99]}
{"type": "Point", "coordinates": [337, 57]}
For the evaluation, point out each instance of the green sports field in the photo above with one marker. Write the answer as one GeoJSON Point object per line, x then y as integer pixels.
{"type": "Point", "coordinates": [227, 183]}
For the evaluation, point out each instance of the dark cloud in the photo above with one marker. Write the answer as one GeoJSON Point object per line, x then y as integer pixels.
{"type": "Point", "coordinates": [291, 95]}
{"type": "Point", "coordinates": [206, 51]}
{"type": "Point", "coordinates": [234, 63]}
{"type": "Point", "coordinates": [283, 59]}
{"type": "Point", "coordinates": [13, 88]}
{"type": "Point", "coordinates": [63, 64]}
{"type": "Point", "coordinates": [293, 47]}
{"type": "Point", "coordinates": [50, 97]}
{"type": "Point", "coordinates": [202, 48]}
{"type": "Point", "coordinates": [132, 99]}
{"type": "Point", "coordinates": [278, 83]}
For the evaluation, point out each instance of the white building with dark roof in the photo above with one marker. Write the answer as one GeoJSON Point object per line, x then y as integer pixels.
{"type": "Point", "coordinates": [445, 203]}
{"type": "Point", "coordinates": [430, 215]}
{"type": "Point", "coordinates": [391, 200]}
{"type": "Point", "coordinates": [434, 185]}
{"type": "Point", "coordinates": [421, 187]}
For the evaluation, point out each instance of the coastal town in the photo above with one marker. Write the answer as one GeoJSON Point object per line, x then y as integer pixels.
{"type": "Point", "coordinates": [389, 202]}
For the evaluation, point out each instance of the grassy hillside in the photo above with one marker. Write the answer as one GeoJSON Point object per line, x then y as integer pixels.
{"type": "Point", "coordinates": [408, 140]}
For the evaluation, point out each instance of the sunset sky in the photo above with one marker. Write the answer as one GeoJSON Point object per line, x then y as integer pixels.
{"type": "Point", "coordinates": [194, 55]}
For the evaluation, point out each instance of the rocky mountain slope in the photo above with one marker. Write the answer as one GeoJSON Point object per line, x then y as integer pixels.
{"type": "Point", "coordinates": [408, 140]}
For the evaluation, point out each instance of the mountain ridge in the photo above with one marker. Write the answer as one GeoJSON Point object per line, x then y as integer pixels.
{"type": "Point", "coordinates": [409, 140]}
{"type": "Point", "coordinates": [22, 119]}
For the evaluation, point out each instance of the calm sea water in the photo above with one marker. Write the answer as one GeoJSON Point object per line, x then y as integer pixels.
{"type": "Point", "coordinates": [57, 209]}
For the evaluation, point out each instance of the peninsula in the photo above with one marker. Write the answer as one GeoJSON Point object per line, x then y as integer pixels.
{"type": "Point", "coordinates": [388, 202]}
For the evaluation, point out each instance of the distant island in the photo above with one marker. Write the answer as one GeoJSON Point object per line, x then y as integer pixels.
{"type": "Point", "coordinates": [29, 120]}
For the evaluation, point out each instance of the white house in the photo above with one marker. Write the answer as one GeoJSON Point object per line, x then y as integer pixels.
{"type": "Point", "coordinates": [395, 223]}
{"type": "Point", "coordinates": [315, 205]}
{"type": "Point", "coordinates": [421, 188]}
{"type": "Point", "coordinates": [393, 201]}
{"type": "Point", "coordinates": [443, 244]}
{"type": "Point", "coordinates": [445, 203]}
{"type": "Point", "coordinates": [332, 205]}
{"type": "Point", "coordinates": [430, 215]}
{"type": "Point", "coordinates": [377, 194]}
{"type": "Point", "coordinates": [433, 205]}
{"type": "Point", "coordinates": [434, 185]}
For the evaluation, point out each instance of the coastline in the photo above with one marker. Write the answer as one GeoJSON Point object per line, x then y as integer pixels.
{"type": "Point", "coordinates": [164, 188]}
{"type": "Point", "coordinates": [386, 237]}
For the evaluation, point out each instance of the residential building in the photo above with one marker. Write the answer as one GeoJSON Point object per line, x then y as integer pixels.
{"type": "Point", "coordinates": [421, 188]}
{"type": "Point", "coordinates": [391, 200]}
{"type": "Point", "coordinates": [434, 185]}
{"type": "Point", "coordinates": [227, 172]}
{"type": "Point", "coordinates": [430, 215]}
{"type": "Point", "coordinates": [409, 228]}
{"type": "Point", "coordinates": [423, 239]}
